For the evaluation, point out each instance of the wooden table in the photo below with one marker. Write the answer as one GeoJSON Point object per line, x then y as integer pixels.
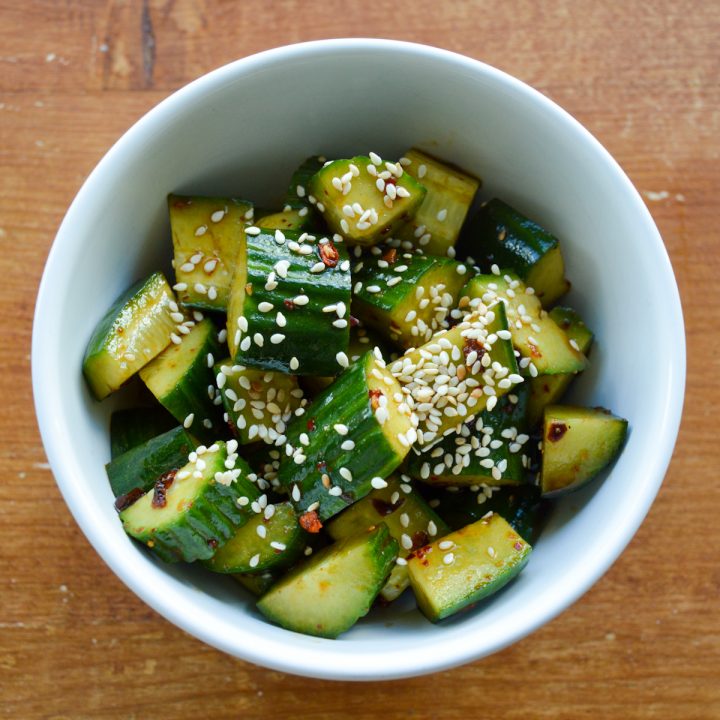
{"type": "Point", "coordinates": [643, 77]}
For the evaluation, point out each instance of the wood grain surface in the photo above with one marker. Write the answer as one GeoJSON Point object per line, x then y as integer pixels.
{"type": "Point", "coordinates": [643, 77]}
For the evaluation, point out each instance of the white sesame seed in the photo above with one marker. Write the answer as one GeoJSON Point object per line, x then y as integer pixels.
{"type": "Point", "coordinates": [373, 288]}
{"type": "Point", "coordinates": [188, 421]}
{"type": "Point", "coordinates": [347, 445]}
{"type": "Point", "coordinates": [449, 558]}
{"type": "Point", "coordinates": [442, 214]}
{"type": "Point", "coordinates": [300, 300]}
{"type": "Point", "coordinates": [294, 363]}
{"type": "Point", "coordinates": [259, 339]}
{"type": "Point", "coordinates": [265, 307]}
{"type": "Point", "coordinates": [342, 359]}
{"type": "Point", "coordinates": [296, 493]}
{"type": "Point", "coordinates": [276, 338]}
{"type": "Point", "coordinates": [446, 545]}
{"type": "Point", "coordinates": [340, 429]}
{"type": "Point", "coordinates": [375, 158]}
{"type": "Point", "coordinates": [280, 320]}
{"type": "Point", "coordinates": [422, 169]}
{"type": "Point", "coordinates": [346, 474]}
{"type": "Point", "coordinates": [254, 560]}
{"type": "Point", "coordinates": [406, 541]}
{"type": "Point", "coordinates": [340, 323]}
{"type": "Point", "coordinates": [318, 267]}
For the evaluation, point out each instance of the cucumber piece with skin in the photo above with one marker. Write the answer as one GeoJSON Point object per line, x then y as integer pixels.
{"type": "Point", "coordinates": [408, 517]}
{"type": "Point", "coordinates": [196, 510]}
{"type": "Point", "coordinates": [488, 449]}
{"type": "Point", "coordinates": [131, 427]}
{"type": "Point", "coordinates": [256, 584]}
{"type": "Point", "coordinates": [545, 348]}
{"type": "Point", "coordinates": [501, 235]}
{"type": "Point", "coordinates": [459, 373]}
{"type": "Point", "coordinates": [141, 466]}
{"type": "Point", "coordinates": [406, 296]}
{"type": "Point", "coordinates": [297, 192]}
{"type": "Point", "coordinates": [450, 193]}
{"type": "Point", "coordinates": [466, 566]}
{"type": "Point", "coordinates": [327, 594]}
{"type": "Point", "coordinates": [137, 327]}
{"type": "Point", "coordinates": [520, 505]}
{"type": "Point", "coordinates": [365, 199]}
{"type": "Point", "coordinates": [268, 541]}
{"type": "Point", "coordinates": [258, 403]}
{"type": "Point", "coordinates": [289, 304]}
{"type": "Point", "coordinates": [354, 434]}
{"type": "Point", "coordinates": [208, 235]}
{"type": "Point", "coordinates": [182, 380]}
{"type": "Point", "coordinates": [578, 443]}
{"type": "Point", "coordinates": [548, 389]}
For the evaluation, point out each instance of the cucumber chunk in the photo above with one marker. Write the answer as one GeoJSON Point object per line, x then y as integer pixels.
{"type": "Point", "coordinates": [459, 373]}
{"type": "Point", "coordinates": [578, 443]}
{"type": "Point", "coordinates": [252, 550]}
{"type": "Point", "coordinates": [466, 566]}
{"type": "Point", "coordinates": [548, 389]}
{"type": "Point", "coordinates": [133, 331]}
{"type": "Point", "coordinates": [488, 449]}
{"type": "Point", "coordinates": [405, 295]}
{"type": "Point", "coordinates": [501, 235]}
{"type": "Point", "coordinates": [290, 218]}
{"type": "Point", "coordinates": [520, 505]}
{"type": "Point", "coordinates": [440, 217]}
{"type": "Point", "coordinates": [330, 592]}
{"type": "Point", "coordinates": [131, 427]}
{"type": "Point", "coordinates": [289, 303]}
{"type": "Point", "coordinates": [182, 380]}
{"type": "Point", "coordinates": [191, 513]}
{"type": "Point", "coordinates": [408, 517]}
{"type": "Point", "coordinates": [258, 403]}
{"type": "Point", "coordinates": [142, 465]}
{"type": "Point", "coordinates": [365, 199]}
{"type": "Point", "coordinates": [354, 434]}
{"type": "Point", "coordinates": [208, 234]}
{"type": "Point", "coordinates": [256, 584]}
{"type": "Point", "coordinates": [545, 348]}
{"type": "Point", "coordinates": [298, 190]}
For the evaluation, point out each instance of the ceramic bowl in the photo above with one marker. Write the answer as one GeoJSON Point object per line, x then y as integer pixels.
{"type": "Point", "coordinates": [241, 130]}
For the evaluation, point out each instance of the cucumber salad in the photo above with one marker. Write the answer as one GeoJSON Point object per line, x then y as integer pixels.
{"type": "Point", "coordinates": [352, 394]}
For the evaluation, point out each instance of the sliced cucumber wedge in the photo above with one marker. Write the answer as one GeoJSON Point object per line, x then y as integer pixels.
{"type": "Point", "coordinates": [365, 199]}
{"type": "Point", "coordinates": [466, 566]}
{"type": "Point", "coordinates": [208, 234]}
{"type": "Point", "coordinates": [450, 193]}
{"type": "Point", "coordinates": [134, 330]}
{"type": "Point", "coordinates": [327, 594]}
{"type": "Point", "coordinates": [191, 513]}
{"type": "Point", "coordinates": [182, 380]}
{"type": "Point", "coordinates": [578, 443]}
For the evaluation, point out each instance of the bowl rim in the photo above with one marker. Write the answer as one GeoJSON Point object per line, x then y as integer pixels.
{"type": "Point", "coordinates": [322, 661]}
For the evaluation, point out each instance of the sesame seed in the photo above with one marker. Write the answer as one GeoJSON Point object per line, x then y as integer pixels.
{"type": "Point", "coordinates": [281, 267]}
{"type": "Point", "coordinates": [217, 216]}
{"type": "Point", "coordinates": [446, 544]}
{"type": "Point", "coordinates": [254, 560]}
{"type": "Point", "coordinates": [442, 214]}
{"type": "Point", "coordinates": [491, 552]}
{"type": "Point", "coordinates": [318, 267]}
{"type": "Point", "coordinates": [340, 429]}
{"type": "Point", "coordinates": [276, 338]}
{"type": "Point", "coordinates": [404, 519]}
{"type": "Point", "coordinates": [259, 339]}
{"type": "Point", "coordinates": [180, 287]}
{"type": "Point", "coordinates": [265, 307]}
{"type": "Point", "coordinates": [373, 288]}
{"type": "Point", "coordinates": [187, 267]}
{"type": "Point", "coordinates": [335, 490]}
{"type": "Point", "coordinates": [375, 158]}
{"type": "Point", "coordinates": [280, 320]}
{"type": "Point", "coordinates": [400, 561]}
{"type": "Point", "coordinates": [296, 493]}
{"type": "Point", "coordinates": [340, 323]}
{"type": "Point", "coordinates": [294, 363]}
{"type": "Point", "coordinates": [432, 528]}
{"type": "Point", "coordinates": [346, 474]}
{"type": "Point", "coordinates": [406, 541]}
{"type": "Point", "coordinates": [300, 300]}
{"type": "Point", "coordinates": [188, 421]}
{"type": "Point", "coordinates": [422, 169]}
{"type": "Point", "coordinates": [394, 281]}
{"type": "Point", "coordinates": [347, 445]}
{"type": "Point", "coordinates": [449, 558]}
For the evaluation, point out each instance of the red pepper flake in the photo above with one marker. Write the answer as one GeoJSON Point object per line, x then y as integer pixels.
{"type": "Point", "coordinates": [420, 538]}
{"type": "Point", "coordinates": [354, 322]}
{"type": "Point", "coordinates": [329, 254]}
{"type": "Point", "coordinates": [212, 543]}
{"type": "Point", "coordinates": [518, 545]}
{"type": "Point", "coordinates": [289, 304]}
{"type": "Point", "coordinates": [472, 344]}
{"type": "Point", "coordinates": [534, 350]}
{"type": "Point", "coordinates": [159, 499]}
{"type": "Point", "coordinates": [182, 203]}
{"type": "Point", "coordinates": [310, 522]}
{"type": "Point", "coordinates": [390, 255]}
{"type": "Point", "coordinates": [311, 425]}
{"type": "Point", "coordinates": [122, 502]}
{"type": "Point", "coordinates": [556, 431]}
{"type": "Point", "coordinates": [384, 508]}
{"type": "Point", "coordinates": [375, 396]}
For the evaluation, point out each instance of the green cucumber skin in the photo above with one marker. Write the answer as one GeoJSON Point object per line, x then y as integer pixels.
{"type": "Point", "coordinates": [301, 177]}
{"type": "Point", "coordinates": [389, 297]}
{"type": "Point", "coordinates": [521, 505]}
{"type": "Point", "coordinates": [525, 242]}
{"type": "Point", "coordinates": [142, 465]}
{"type": "Point", "coordinates": [309, 333]}
{"type": "Point", "coordinates": [190, 395]}
{"type": "Point", "coordinates": [282, 527]}
{"type": "Point", "coordinates": [131, 427]}
{"type": "Point", "coordinates": [208, 523]}
{"type": "Point", "coordinates": [505, 414]}
{"type": "Point", "coordinates": [346, 401]}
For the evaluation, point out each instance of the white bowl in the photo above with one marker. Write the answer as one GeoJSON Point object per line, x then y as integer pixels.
{"type": "Point", "coordinates": [241, 130]}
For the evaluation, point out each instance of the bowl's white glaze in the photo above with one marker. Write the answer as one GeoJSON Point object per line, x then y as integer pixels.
{"type": "Point", "coordinates": [241, 130]}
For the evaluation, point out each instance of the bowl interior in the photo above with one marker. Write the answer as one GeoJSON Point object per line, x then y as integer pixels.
{"type": "Point", "coordinates": [241, 131]}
